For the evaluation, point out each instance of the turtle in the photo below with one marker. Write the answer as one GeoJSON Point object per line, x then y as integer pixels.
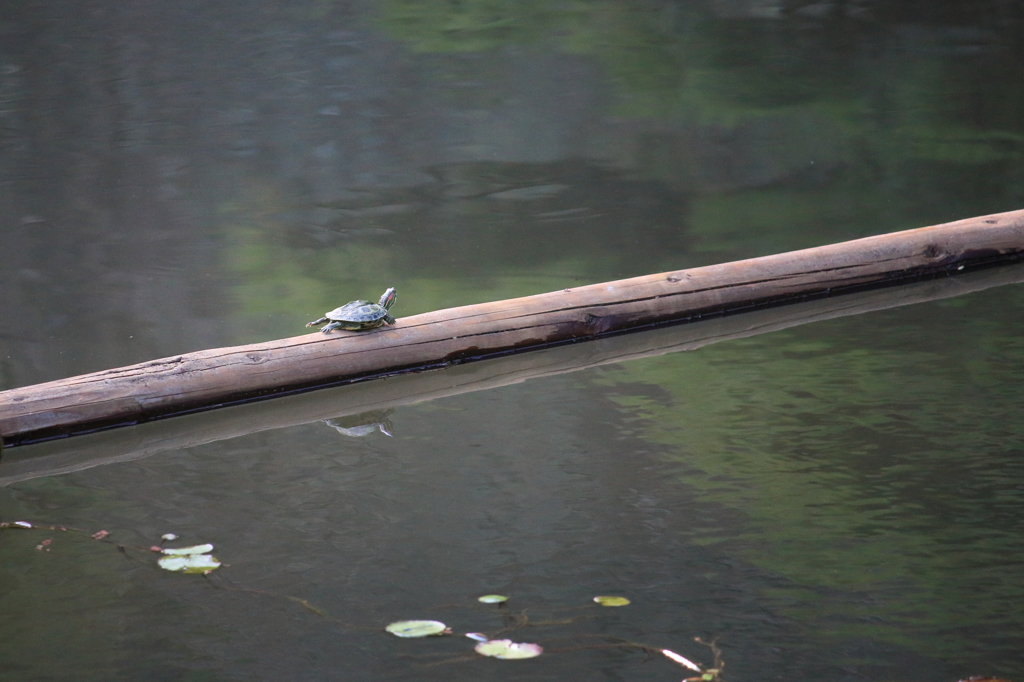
{"type": "Point", "coordinates": [358, 315]}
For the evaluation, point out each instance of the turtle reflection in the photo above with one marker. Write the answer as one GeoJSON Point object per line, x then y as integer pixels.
{"type": "Point", "coordinates": [362, 424]}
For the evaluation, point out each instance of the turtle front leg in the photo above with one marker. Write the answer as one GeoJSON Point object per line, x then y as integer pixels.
{"type": "Point", "coordinates": [316, 322]}
{"type": "Point", "coordinates": [333, 325]}
{"type": "Point", "coordinates": [389, 321]}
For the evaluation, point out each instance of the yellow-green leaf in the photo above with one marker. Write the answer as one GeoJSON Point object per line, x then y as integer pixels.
{"type": "Point", "coordinates": [416, 628]}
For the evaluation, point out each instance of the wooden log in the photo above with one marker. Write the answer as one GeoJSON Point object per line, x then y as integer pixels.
{"type": "Point", "coordinates": [120, 445]}
{"type": "Point", "coordinates": [214, 378]}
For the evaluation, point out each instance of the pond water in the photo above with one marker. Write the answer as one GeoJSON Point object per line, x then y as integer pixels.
{"type": "Point", "coordinates": [840, 500]}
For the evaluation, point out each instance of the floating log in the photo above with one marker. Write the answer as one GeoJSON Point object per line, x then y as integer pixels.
{"type": "Point", "coordinates": [120, 445]}
{"type": "Point", "coordinates": [214, 378]}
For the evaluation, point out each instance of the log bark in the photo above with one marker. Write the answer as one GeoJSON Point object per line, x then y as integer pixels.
{"type": "Point", "coordinates": [213, 378]}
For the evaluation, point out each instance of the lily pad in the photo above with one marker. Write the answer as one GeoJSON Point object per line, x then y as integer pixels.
{"type": "Point", "coordinates": [506, 649]}
{"type": "Point", "coordinates": [189, 563]}
{"type": "Point", "coordinates": [611, 601]}
{"type": "Point", "coordinates": [416, 628]}
{"type": "Point", "coordinates": [184, 551]}
{"type": "Point", "coordinates": [493, 599]}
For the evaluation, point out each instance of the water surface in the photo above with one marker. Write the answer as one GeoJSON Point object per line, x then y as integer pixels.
{"type": "Point", "coordinates": [836, 501]}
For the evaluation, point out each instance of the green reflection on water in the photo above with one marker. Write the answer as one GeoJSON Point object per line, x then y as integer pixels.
{"type": "Point", "coordinates": [668, 59]}
{"type": "Point", "coordinates": [757, 137]}
{"type": "Point", "coordinates": [889, 149]}
{"type": "Point", "coordinates": [637, 45]}
{"type": "Point", "coordinates": [877, 460]}
{"type": "Point", "coordinates": [479, 232]}
{"type": "Point", "coordinates": [279, 288]}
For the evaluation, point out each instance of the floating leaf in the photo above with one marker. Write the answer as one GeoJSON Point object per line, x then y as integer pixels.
{"type": "Point", "coordinates": [189, 563]}
{"type": "Point", "coordinates": [416, 628]}
{"type": "Point", "coordinates": [506, 649]}
{"type": "Point", "coordinates": [611, 601]}
{"type": "Point", "coordinates": [168, 537]}
{"type": "Point", "coordinates": [478, 636]}
{"type": "Point", "coordinates": [183, 551]}
{"type": "Point", "coordinates": [100, 534]}
{"type": "Point", "coordinates": [22, 524]}
{"type": "Point", "coordinates": [493, 599]}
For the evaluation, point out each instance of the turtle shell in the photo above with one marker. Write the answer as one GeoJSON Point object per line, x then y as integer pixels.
{"type": "Point", "coordinates": [358, 311]}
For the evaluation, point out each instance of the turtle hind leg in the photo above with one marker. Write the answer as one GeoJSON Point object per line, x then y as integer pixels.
{"type": "Point", "coordinates": [316, 322]}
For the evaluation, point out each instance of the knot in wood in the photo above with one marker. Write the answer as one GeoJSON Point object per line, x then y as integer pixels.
{"type": "Point", "coordinates": [593, 323]}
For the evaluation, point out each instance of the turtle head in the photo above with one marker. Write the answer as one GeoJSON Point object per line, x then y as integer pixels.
{"type": "Point", "coordinates": [388, 299]}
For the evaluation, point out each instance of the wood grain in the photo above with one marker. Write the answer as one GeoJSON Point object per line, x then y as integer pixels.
{"type": "Point", "coordinates": [212, 378]}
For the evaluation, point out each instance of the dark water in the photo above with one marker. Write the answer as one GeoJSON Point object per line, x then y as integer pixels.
{"type": "Point", "coordinates": [835, 501]}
